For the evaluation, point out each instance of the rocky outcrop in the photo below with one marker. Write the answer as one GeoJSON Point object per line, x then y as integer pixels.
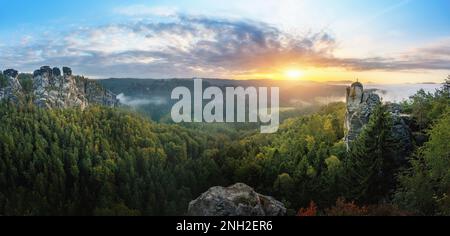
{"type": "Point", "coordinates": [67, 71]}
{"type": "Point", "coordinates": [11, 73]}
{"type": "Point", "coordinates": [237, 200]}
{"type": "Point", "coordinates": [56, 72]}
{"type": "Point", "coordinates": [11, 89]}
{"type": "Point", "coordinates": [401, 131]}
{"type": "Point", "coordinates": [53, 89]}
{"type": "Point", "coordinates": [361, 105]}
{"type": "Point", "coordinates": [97, 94]}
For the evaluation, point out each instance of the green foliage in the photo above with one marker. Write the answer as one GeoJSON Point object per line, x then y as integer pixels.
{"type": "Point", "coordinates": [26, 80]}
{"type": "Point", "coordinates": [370, 167]}
{"type": "Point", "coordinates": [284, 185]}
{"type": "Point", "coordinates": [104, 161]}
{"type": "Point", "coordinates": [98, 162]}
{"type": "Point", "coordinates": [426, 108]}
{"type": "Point", "coordinates": [298, 164]}
{"type": "Point", "coordinates": [3, 81]}
{"type": "Point", "coordinates": [425, 188]}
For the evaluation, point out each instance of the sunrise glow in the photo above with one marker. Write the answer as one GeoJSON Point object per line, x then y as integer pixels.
{"type": "Point", "coordinates": [385, 42]}
{"type": "Point", "coordinates": [294, 74]}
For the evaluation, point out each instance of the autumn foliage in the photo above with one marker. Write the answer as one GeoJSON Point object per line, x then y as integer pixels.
{"type": "Point", "coordinates": [309, 211]}
{"type": "Point", "coordinates": [343, 208]}
{"type": "Point", "coordinates": [346, 208]}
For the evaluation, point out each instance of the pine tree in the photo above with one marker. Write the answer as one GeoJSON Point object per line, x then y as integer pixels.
{"type": "Point", "coordinates": [370, 166]}
{"type": "Point", "coordinates": [425, 188]}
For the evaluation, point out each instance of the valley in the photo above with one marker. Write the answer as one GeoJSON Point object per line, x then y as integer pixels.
{"type": "Point", "coordinates": [131, 160]}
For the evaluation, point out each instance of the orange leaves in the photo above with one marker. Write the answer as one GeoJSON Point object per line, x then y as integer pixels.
{"type": "Point", "coordinates": [310, 211]}
{"type": "Point", "coordinates": [344, 208]}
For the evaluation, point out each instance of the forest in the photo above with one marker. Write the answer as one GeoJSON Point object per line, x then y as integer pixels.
{"type": "Point", "coordinates": [113, 161]}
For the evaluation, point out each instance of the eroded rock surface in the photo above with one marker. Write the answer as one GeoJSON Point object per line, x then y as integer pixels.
{"type": "Point", "coordinates": [53, 89]}
{"type": "Point", "coordinates": [236, 200]}
{"type": "Point", "coordinates": [11, 89]}
{"type": "Point", "coordinates": [360, 107]}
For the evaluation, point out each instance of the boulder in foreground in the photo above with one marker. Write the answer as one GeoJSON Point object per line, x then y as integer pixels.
{"type": "Point", "coordinates": [236, 200]}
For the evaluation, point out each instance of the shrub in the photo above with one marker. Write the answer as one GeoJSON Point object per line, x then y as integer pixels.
{"type": "Point", "coordinates": [311, 210]}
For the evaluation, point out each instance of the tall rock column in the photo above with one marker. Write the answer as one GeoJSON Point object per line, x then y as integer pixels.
{"type": "Point", "coordinates": [12, 89]}
{"type": "Point", "coordinates": [360, 106]}
{"type": "Point", "coordinates": [53, 90]}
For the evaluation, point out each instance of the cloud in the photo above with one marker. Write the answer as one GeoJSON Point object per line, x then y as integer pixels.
{"type": "Point", "coordinates": [193, 46]}
{"type": "Point", "coordinates": [184, 46]}
{"type": "Point", "coordinates": [435, 56]}
{"type": "Point", "coordinates": [143, 10]}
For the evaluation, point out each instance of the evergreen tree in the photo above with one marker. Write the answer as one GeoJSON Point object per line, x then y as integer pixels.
{"type": "Point", "coordinates": [425, 188]}
{"type": "Point", "coordinates": [370, 168]}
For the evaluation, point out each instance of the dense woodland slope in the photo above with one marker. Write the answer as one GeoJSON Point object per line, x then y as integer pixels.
{"type": "Point", "coordinates": [108, 161]}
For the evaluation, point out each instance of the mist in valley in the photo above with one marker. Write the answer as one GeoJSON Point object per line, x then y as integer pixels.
{"type": "Point", "coordinates": [152, 97]}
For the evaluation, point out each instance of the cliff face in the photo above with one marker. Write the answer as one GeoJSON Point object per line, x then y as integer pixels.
{"type": "Point", "coordinates": [53, 89]}
{"type": "Point", "coordinates": [360, 106]}
{"type": "Point", "coordinates": [11, 89]}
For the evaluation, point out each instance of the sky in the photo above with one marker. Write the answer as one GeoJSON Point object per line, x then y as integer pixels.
{"type": "Point", "coordinates": [384, 41]}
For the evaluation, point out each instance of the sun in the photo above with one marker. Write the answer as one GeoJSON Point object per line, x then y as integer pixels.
{"type": "Point", "coordinates": [294, 74]}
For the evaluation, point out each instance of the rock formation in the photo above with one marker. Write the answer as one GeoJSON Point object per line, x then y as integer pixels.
{"type": "Point", "coordinates": [12, 90]}
{"type": "Point", "coordinates": [53, 89]}
{"type": "Point", "coordinates": [360, 106]}
{"type": "Point", "coordinates": [67, 71]}
{"type": "Point", "coordinates": [401, 131]}
{"type": "Point", "coordinates": [237, 200]}
{"type": "Point", "coordinates": [11, 73]}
